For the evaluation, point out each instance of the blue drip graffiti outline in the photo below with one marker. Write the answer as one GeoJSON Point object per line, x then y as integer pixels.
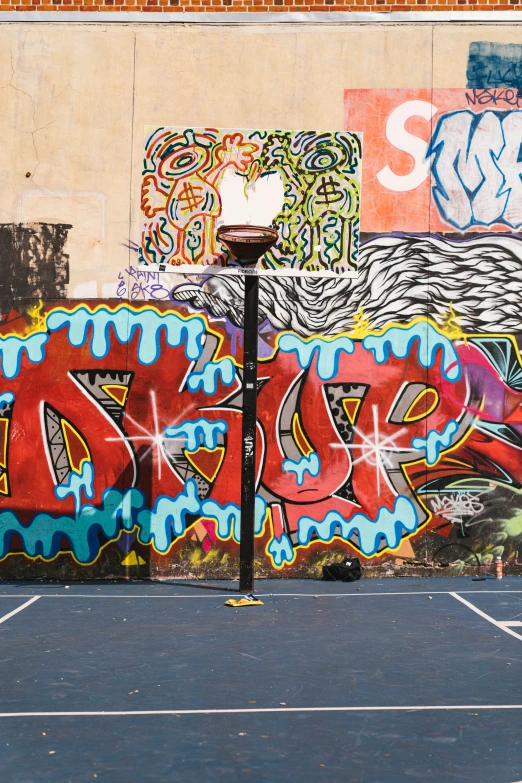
{"type": "Point", "coordinates": [387, 525]}
{"type": "Point", "coordinates": [200, 432]}
{"type": "Point", "coordinates": [400, 341]}
{"type": "Point", "coordinates": [435, 442]}
{"type": "Point", "coordinates": [122, 512]}
{"type": "Point", "coordinates": [125, 321]}
{"type": "Point", "coordinates": [310, 464]}
{"type": "Point", "coordinates": [12, 347]}
{"type": "Point", "coordinates": [207, 379]}
{"type": "Point", "coordinates": [76, 482]}
{"type": "Point", "coordinates": [327, 352]}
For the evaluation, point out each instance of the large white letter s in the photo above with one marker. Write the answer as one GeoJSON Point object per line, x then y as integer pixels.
{"type": "Point", "coordinates": [407, 142]}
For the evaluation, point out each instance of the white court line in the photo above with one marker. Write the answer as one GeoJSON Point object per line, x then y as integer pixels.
{"type": "Point", "coordinates": [15, 611]}
{"type": "Point", "coordinates": [261, 595]}
{"type": "Point", "coordinates": [231, 595]}
{"type": "Point", "coordinates": [499, 624]}
{"type": "Point", "coordinates": [128, 597]}
{"type": "Point", "coordinates": [258, 710]}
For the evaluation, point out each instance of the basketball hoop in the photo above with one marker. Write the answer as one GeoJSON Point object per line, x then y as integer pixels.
{"type": "Point", "coordinates": [247, 244]}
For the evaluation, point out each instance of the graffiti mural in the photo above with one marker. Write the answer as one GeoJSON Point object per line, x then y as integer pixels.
{"type": "Point", "coordinates": [444, 169]}
{"type": "Point", "coordinates": [134, 416]}
{"type": "Point", "coordinates": [390, 376]}
{"type": "Point", "coordinates": [439, 160]}
{"type": "Point", "coordinates": [304, 183]}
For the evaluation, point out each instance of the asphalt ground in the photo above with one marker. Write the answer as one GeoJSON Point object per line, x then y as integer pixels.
{"type": "Point", "coordinates": [370, 681]}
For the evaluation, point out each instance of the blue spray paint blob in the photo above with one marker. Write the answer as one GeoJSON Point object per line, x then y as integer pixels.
{"type": "Point", "coordinates": [210, 375]}
{"type": "Point", "coordinates": [435, 441]}
{"type": "Point", "coordinates": [12, 348]}
{"type": "Point", "coordinates": [200, 432]}
{"type": "Point", "coordinates": [494, 65]}
{"type": "Point", "coordinates": [125, 321]}
{"type": "Point", "coordinates": [388, 525]}
{"type": "Point", "coordinates": [327, 351]}
{"type": "Point", "coordinates": [7, 398]}
{"type": "Point", "coordinates": [310, 464]}
{"type": "Point", "coordinates": [75, 483]}
{"type": "Point", "coordinates": [428, 340]}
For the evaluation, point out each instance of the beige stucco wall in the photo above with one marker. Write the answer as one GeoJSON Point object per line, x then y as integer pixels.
{"type": "Point", "coordinates": [75, 99]}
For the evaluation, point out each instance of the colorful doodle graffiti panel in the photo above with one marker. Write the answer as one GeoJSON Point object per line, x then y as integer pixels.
{"type": "Point", "coordinates": [304, 183]}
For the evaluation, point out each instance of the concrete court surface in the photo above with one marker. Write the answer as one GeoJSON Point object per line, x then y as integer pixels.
{"type": "Point", "coordinates": [372, 681]}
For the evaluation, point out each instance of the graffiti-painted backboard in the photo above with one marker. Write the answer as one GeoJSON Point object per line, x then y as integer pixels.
{"type": "Point", "coordinates": [304, 183]}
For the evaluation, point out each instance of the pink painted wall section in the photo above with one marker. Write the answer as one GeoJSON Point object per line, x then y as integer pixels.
{"type": "Point", "coordinates": [401, 170]}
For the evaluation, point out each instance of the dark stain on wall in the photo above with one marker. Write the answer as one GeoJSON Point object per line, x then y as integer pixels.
{"type": "Point", "coordinates": [33, 263]}
{"type": "Point", "coordinates": [494, 65]}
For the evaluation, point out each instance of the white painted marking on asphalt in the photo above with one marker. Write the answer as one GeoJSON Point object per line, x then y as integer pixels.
{"type": "Point", "coordinates": [487, 617]}
{"type": "Point", "coordinates": [258, 710]}
{"type": "Point", "coordinates": [15, 611]}
{"type": "Point", "coordinates": [260, 595]}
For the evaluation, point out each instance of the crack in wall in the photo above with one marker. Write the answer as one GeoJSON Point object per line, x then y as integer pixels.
{"type": "Point", "coordinates": [14, 68]}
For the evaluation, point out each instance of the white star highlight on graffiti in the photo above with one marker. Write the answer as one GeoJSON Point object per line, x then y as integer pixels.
{"type": "Point", "coordinates": [376, 450]}
{"type": "Point", "coordinates": [154, 437]}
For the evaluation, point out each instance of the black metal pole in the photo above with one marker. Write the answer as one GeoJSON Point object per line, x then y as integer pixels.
{"type": "Point", "coordinates": [248, 462]}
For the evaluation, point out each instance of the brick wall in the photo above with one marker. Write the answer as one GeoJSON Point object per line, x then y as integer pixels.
{"type": "Point", "coordinates": [253, 6]}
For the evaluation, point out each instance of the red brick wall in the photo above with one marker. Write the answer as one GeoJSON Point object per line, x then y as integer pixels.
{"type": "Point", "coordinates": [252, 6]}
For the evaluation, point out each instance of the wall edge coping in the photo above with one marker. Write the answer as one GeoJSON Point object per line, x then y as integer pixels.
{"type": "Point", "coordinates": [246, 18]}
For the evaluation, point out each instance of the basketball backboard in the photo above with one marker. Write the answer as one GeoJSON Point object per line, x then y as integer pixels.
{"type": "Point", "coordinates": [305, 184]}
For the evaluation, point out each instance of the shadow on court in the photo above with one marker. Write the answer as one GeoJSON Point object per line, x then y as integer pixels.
{"type": "Point", "coordinates": [370, 681]}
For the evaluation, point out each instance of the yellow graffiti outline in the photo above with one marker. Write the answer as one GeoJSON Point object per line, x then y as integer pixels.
{"type": "Point", "coordinates": [418, 398]}
{"type": "Point", "coordinates": [64, 423]}
{"type": "Point", "coordinates": [189, 454]}
{"type": "Point", "coordinates": [357, 400]}
{"type": "Point", "coordinates": [106, 387]}
{"type": "Point", "coordinates": [3, 453]}
{"type": "Point", "coordinates": [299, 435]}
